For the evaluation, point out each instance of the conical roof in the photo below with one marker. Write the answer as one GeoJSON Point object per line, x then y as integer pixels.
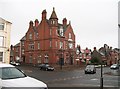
{"type": "Point", "coordinates": [53, 15]}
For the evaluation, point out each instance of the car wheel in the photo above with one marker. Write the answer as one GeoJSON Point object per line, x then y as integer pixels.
{"type": "Point", "coordinates": [46, 69]}
{"type": "Point", "coordinates": [94, 71]}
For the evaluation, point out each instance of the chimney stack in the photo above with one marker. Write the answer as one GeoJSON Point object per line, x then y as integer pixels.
{"type": "Point", "coordinates": [30, 24]}
{"type": "Point", "coordinates": [44, 13]}
{"type": "Point", "coordinates": [36, 22]}
{"type": "Point", "coordinates": [65, 21]}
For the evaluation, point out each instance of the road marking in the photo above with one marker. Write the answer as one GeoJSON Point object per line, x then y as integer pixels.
{"type": "Point", "coordinates": [94, 79]}
{"type": "Point", "coordinates": [63, 79]}
{"type": "Point", "coordinates": [27, 71]}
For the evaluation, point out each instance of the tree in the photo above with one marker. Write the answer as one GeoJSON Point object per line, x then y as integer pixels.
{"type": "Point", "coordinates": [95, 60]}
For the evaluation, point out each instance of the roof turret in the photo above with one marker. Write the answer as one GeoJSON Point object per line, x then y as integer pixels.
{"type": "Point", "coordinates": [53, 15]}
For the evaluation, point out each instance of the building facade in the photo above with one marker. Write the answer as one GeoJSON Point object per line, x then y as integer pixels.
{"type": "Point", "coordinates": [48, 41]}
{"type": "Point", "coordinates": [119, 24]}
{"type": "Point", "coordinates": [5, 29]}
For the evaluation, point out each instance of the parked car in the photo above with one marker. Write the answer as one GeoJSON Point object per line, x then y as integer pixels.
{"type": "Point", "coordinates": [90, 69]}
{"type": "Point", "coordinates": [114, 66]}
{"type": "Point", "coordinates": [14, 77]}
{"type": "Point", "coordinates": [46, 67]}
{"type": "Point", "coordinates": [41, 65]}
{"type": "Point", "coordinates": [15, 63]}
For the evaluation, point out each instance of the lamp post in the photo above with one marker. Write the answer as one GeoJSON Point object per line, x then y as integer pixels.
{"type": "Point", "coordinates": [101, 78]}
{"type": "Point", "coordinates": [61, 60]}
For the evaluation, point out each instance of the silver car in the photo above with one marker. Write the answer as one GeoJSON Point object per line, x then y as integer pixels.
{"type": "Point", "coordinates": [90, 69]}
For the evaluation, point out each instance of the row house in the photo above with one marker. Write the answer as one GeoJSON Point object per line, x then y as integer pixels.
{"type": "Point", "coordinates": [48, 41]}
{"type": "Point", "coordinates": [5, 29]}
{"type": "Point", "coordinates": [15, 53]}
{"type": "Point", "coordinates": [109, 55]}
{"type": "Point", "coordinates": [83, 56]}
{"type": "Point", "coordinates": [105, 54]}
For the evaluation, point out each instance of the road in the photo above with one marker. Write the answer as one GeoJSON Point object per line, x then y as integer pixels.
{"type": "Point", "coordinates": [73, 78]}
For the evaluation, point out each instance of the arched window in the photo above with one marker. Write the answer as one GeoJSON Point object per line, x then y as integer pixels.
{"type": "Point", "coordinates": [30, 36]}
{"type": "Point", "coordinates": [70, 35]}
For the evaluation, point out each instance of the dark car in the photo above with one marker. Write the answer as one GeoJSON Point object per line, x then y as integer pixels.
{"type": "Point", "coordinates": [46, 67]}
{"type": "Point", "coordinates": [114, 66]}
{"type": "Point", "coordinates": [90, 69]}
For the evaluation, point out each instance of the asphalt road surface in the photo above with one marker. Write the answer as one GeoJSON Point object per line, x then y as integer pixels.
{"type": "Point", "coordinates": [74, 78]}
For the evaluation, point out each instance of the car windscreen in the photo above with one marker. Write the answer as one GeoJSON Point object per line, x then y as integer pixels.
{"type": "Point", "coordinates": [90, 66]}
{"type": "Point", "coordinates": [11, 73]}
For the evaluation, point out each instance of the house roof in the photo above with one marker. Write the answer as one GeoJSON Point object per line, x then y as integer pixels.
{"type": "Point", "coordinates": [53, 15]}
{"type": "Point", "coordinates": [24, 38]}
{"type": "Point", "coordinates": [18, 44]}
{"type": "Point", "coordinates": [3, 20]}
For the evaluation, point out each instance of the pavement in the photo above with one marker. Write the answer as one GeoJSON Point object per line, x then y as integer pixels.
{"type": "Point", "coordinates": [68, 67]}
{"type": "Point", "coordinates": [61, 68]}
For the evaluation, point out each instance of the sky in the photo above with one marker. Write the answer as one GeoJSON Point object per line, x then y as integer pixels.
{"type": "Point", "coordinates": [94, 22]}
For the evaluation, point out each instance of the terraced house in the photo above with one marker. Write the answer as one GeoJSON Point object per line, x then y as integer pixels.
{"type": "Point", "coordinates": [48, 41]}
{"type": "Point", "coordinates": [5, 29]}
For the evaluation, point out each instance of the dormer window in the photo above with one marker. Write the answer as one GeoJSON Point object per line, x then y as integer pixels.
{"type": "Point", "coordinates": [61, 31]}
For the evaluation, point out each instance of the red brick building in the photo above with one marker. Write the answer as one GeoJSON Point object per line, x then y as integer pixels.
{"type": "Point", "coordinates": [48, 41]}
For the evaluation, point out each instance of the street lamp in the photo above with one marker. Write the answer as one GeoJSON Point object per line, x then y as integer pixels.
{"type": "Point", "coordinates": [101, 78]}
{"type": "Point", "coordinates": [61, 60]}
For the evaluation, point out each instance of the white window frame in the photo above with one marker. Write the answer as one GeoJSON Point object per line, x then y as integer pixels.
{"type": "Point", "coordinates": [30, 36]}
{"type": "Point", "coordinates": [31, 46]}
{"type": "Point", "coordinates": [23, 51]}
{"type": "Point", "coordinates": [71, 45]}
{"type": "Point", "coordinates": [38, 45]}
{"type": "Point", "coordinates": [1, 56]}
{"type": "Point", "coordinates": [23, 43]}
{"type": "Point", "coordinates": [61, 45]}
{"type": "Point", "coordinates": [1, 41]}
{"type": "Point", "coordinates": [2, 26]}
{"type": "Point", "coordinates": [70, 35]}
{"type": "Point", "coordinates": [61, 31]}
